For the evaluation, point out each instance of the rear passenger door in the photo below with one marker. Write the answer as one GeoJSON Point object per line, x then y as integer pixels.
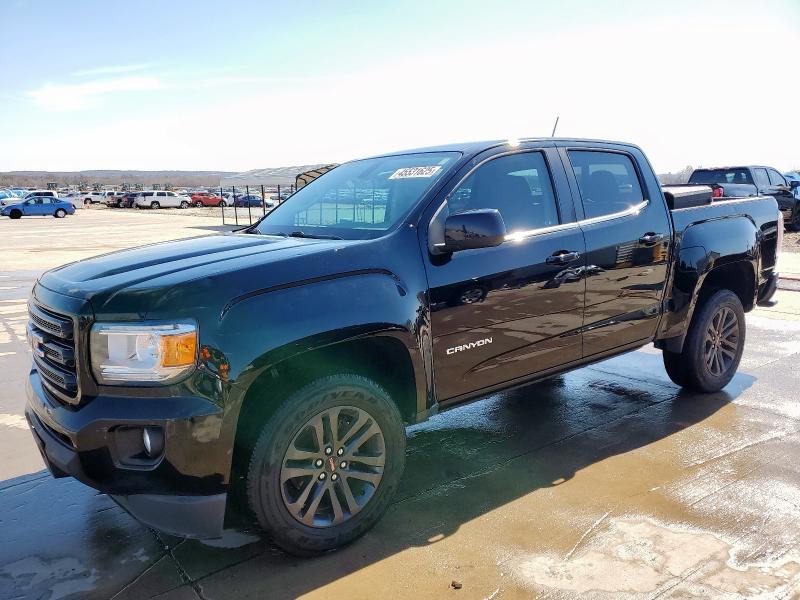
{"type": "Point", "coordinates": [504, 313]}
{"type": "Point", "coordinates": [627, 230]}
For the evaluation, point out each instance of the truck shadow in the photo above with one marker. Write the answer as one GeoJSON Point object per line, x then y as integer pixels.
{"type": "Point", "coordinates": [461, 465]}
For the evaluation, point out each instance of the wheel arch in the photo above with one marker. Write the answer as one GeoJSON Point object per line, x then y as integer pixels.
{"type": "Point", "coordinates": [365, 356]}
{"type": "Point", "coordinates": [738, 276]}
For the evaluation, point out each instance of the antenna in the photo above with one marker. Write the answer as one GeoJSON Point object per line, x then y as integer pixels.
{"type": "Point", "coordinates": [554, 127]}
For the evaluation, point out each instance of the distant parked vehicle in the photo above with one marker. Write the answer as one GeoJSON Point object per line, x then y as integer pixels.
{"type": "Point", "coordinates": [208, 199]}
{"type": "Point", "coordinates": [793, 177]}
{"type": "Point", "coordinates": [96, 197]}
{"type": "Point", "coordinates": [113, 198]}
{"type": "Point", "coordinates": [16, 199]}
{"type": "Point", "coordinates": [74, 198]}
{"type": "Point", "coordinates": [251, 200]}
{"type": "Point", "coordinates": [39, 206]}
{"type": "Point", "coordinates": [127, 200]}
{"type": "Point", "coordinates": [48, 193]}
{"type": "Point", "coordinates": [747, 181]}
{"type": "Point", "coordinates": [156, 199]}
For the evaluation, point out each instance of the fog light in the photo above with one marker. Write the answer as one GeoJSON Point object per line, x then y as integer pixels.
{"type": "Point", "coordinates": [153, 440]}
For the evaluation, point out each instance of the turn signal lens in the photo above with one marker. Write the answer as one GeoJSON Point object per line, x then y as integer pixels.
{"type": "Point", "coordinates": [178, 350]}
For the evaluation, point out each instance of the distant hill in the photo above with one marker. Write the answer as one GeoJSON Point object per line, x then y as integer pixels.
{"type": "Point", "coordinates": [111, 177]}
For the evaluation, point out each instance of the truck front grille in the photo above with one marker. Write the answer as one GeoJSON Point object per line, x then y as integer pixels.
{"type": "Point", "coordinates": [52, 340]}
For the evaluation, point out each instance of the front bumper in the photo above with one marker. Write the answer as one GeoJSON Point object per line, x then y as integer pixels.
{"type": "Point", "coordinates": [183, 492]}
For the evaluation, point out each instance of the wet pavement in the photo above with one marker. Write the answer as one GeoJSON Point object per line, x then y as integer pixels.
{"type": "Point", "coordinates": [605, 482]}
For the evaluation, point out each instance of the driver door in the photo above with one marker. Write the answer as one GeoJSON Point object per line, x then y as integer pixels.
{"type": "Point", "coordinates": [508, 312]}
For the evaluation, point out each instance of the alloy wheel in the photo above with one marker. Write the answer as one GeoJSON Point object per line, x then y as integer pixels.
{"type": "Point", "coordinates": [333, 466]}
{"type": "Point", "coordinates": [721, 341]}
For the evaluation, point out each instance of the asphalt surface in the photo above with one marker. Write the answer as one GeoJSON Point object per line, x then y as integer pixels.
{"type": "Point", "coordinates": [608, 482]}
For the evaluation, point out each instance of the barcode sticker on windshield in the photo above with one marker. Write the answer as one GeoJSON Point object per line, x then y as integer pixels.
{"type": "Point", "coordinates": [411, 172]}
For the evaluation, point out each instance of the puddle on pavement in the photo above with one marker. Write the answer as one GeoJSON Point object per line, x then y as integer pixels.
{"type": "Point", "coordinates": [642, 556]}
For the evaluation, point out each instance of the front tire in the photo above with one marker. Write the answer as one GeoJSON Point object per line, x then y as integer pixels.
{"type": "Point", "coordinates": [15, 214]}
{"type": "Point", "coordinates": [184, 204]}
{"type": "Point", "coordinates": [223, 204]}
{"type": "Point", "coordinates": [327, 464]}
{"type": "Point", "coordinates": [60, 213]}
{"type": "Point", "coordinates": [713, 347]}
{"type": "Point", "coordinates": [155, 205]}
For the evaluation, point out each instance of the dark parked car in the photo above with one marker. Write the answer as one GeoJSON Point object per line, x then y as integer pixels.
{"type": "Point", "coordinates": [754, 181]}
{"type": "Point", "coordinates": [284, 360]}
{"type": "Point", "coordinates": [42, 206]}
{"type": "Point", "coordinates": [251, 200]}
{"type": "Point", "coordinates": [122, 200]}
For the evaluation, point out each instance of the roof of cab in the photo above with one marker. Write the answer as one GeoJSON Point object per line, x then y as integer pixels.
{"type": "Point", "coordinates": [470, 148]}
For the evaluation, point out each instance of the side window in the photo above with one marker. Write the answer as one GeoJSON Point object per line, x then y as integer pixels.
{"type": "Point", "coordinates": [761, 177]}
{"type": "Point", "coordinates": [607, 181]}
{"type": "Point", "coordinates": [518, 185]}
{"type": "Point", "coordinates": [776, 178]}
{"type": "Point", "coordinates": [161, 193]}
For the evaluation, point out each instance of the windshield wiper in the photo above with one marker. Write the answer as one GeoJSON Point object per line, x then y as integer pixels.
{"type": "Point", "coordinates": [313, 236]}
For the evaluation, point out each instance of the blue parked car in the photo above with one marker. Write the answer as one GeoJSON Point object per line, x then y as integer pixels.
{"type": "Point", "coordinates": [38, 205]}
{"type": "Point", "coordinates": [251, 200]}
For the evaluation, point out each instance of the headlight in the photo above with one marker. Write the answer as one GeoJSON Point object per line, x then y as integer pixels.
{"type": "Point", "coordinates": [152, 353]}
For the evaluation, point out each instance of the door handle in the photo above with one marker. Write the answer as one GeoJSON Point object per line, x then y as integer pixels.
{"type": "Point", "coordinates": [650, 238]}
{"type": "Point", "coordinates": [562, 257]}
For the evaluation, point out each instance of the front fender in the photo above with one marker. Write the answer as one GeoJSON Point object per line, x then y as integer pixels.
{"type": "Point", "coordinates": [265, 328]}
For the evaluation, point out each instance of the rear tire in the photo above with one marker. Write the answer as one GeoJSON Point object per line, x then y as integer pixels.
{"type": "Point", "coordinates": [60, 213]}
{"type": "Point", "coordinates": [155, 205]}
{"type": "Point", "coordinates": [223, 204]}
{"type": "Point", "coordinates": [296, 484]}
{"type": "Point", "coordinates": [87, 202]}
{"type": "Point", "coordinates": [713, 346]}
{"type": "Point", "coordinates": [15, 214]}
{"type": "Point", "coordinates": [199, 204]}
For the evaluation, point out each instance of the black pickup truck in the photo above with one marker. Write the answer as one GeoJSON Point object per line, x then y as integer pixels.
{"type": "Point", "coordinates": [748, 181]}
{"type": "Point", "coordinates": [287, 357]}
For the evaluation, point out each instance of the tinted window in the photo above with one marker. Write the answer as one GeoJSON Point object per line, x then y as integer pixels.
{"type": "Point", "coordinates": [608, 182]}
{"type": "Point", "coordinates": [761, 177]}
{"type": "Point", "coordinates": [517, 185]}
{"type": "Point", "coordinates": [161, 194]}
{"type": "Point", "coordinates": [735, 175]}
{"type": "Point", "coordinates": [776, 178]}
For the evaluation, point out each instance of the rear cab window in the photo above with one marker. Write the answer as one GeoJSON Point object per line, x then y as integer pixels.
{"type": "Point", "coordinates": [608, 182]}
{"type": "Point", "coordinates": [738, 175]}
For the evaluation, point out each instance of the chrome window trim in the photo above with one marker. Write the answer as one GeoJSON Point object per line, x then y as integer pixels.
{"type": "Point", "coordinates": [628, 212]}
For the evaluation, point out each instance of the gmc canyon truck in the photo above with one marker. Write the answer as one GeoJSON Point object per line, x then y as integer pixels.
{"type": "Point", "coordinates": [753, 181]}
{"type": "Point", "coordinates": [279, 364]}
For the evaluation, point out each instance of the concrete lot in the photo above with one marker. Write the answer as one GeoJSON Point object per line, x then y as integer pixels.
{"type": "Point", "coordinates": [606, 482]}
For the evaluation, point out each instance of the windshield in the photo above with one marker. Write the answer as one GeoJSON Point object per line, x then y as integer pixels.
{"type": "Point", "coordinates": [359, 200]}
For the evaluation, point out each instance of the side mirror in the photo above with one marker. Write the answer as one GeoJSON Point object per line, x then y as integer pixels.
{"type": "Point", "coordinates": [794, 184]}
{"type": "Point", "coordinates": [482, 228]}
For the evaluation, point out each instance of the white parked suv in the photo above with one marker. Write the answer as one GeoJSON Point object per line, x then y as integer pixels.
{"type": "Point", "coordinates": [162, 200]}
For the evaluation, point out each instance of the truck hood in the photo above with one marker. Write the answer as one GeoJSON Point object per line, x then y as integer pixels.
{"type": "Point", "coordinates": [147, 272]}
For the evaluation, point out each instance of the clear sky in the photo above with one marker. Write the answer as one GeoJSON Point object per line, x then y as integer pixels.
{"type": "Point", "coordinates": [107, 84]}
